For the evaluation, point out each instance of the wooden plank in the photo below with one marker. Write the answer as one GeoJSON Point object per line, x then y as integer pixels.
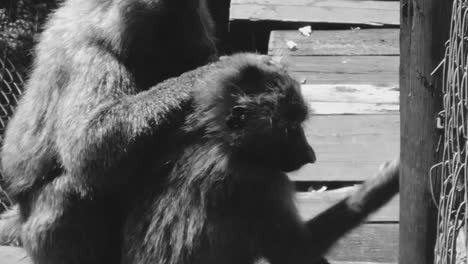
{"type": "Point", "coordinates": [333, 11]}
{"type": "Point", "coordinates": [13, 255]}
{"type": "Point", "coordinates": [351, 99]}
{"type": "Point", "coordinates": [382, 70]}
{"type": "Point", "coordinates": [336, 42]}
{"type": "Point", "coordinates": [219, 10]}
{"type": "Point", "coordinates": [368, 243]}
{"type": "Point", "coordinates": [422, 48]}
{"type": "Point", "coordinates": [380, 79]}
{"type": "Point", "coordinates": [310, 204]}
{"type": "Point", "coordinates": [349, 147]}
{"type": "Point", "coordinates": [350, 108]}
{"type": "Point", "coordinates": [356, 262]}
{"type": "Point", "coordinates": [344, 64]}
{"type": "Point", "coordinates": [264, 261]}
{"type": "Point", "coordinates": [356, 93]}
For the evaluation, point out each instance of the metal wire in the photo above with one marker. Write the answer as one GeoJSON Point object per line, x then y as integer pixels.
{"type": "Point", "coordinates": [451, 244]}
{"type": "Point", "coordinates": [20, 21]}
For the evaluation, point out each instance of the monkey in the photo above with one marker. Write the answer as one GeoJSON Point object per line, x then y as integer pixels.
{"type": "Point", "coordinates": [87, 113]}
{"type": "Point", "coordinates": [212, 81]}
{"type": "Point", "coordinates": [223, 195]}
{"type": "Point", "coordinates": [9, 228]}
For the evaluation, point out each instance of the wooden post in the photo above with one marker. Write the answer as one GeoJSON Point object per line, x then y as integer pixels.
{"type": "Point", "coordinates": [424, 30]}
{"type": "Point", "coordinates": [220, 12]}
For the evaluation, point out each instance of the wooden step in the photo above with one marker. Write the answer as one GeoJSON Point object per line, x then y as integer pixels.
{"type": "Point", "coordinates": [349, 147]}
{"type": "Point", "coordinates": [367, 244]}
{"type": "Point", "coordinates": [350, 79]}
{"type": "Point", "coordinates": [377, 70]}
{"type": "Point", "coordinates": [351, 99]}
{"type": "Point", "coordinates": [376, 42]}
{"type": "Point", "coordinates": [367, 56]}
{"type": "Point", "coordinates": [318, 11]}
{"type": "Point", "coordinates": [374, 243]}
{"type": "Point", "coordinates": [350, 141]}
{"type": "Point", "coordinates": [310, 204]}
{"type": "Point", "coordinates": [358, 262]}
{"type": "Point", "coordinates": [354, 93]}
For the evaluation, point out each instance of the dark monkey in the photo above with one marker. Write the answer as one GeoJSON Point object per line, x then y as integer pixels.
{"type": "Point", "coordinates": [226, 198]}
{"type": "Point", "coordinates": [85, 118]}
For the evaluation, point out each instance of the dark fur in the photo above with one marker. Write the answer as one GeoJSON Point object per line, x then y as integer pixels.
{"type": "Point", "coordinates": [226, 198]}
{"type": "Point", "coordinates": [85, 120]}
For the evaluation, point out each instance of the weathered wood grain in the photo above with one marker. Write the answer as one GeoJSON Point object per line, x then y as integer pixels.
{"type": "Point", "coordinates": [379, 79]}
{"type": "Point", "coordinates": [351, 99]}
{"type": "Point", "coordinates": [358, 262]}
{"type": "Point", "coordinates": [379, 70]}
{"type": "Point", "coordinates": [422, 48]}
{"type": "Point", "coordinates": [344, 64]}
{"type": "Point", "coordinates": [332, 11]}
{"type": "Point", "coordinates": [349, 147]}
{"type": "Point", "coordinates": [336, 42]}
{"type": "Point", "coordinates": [350, 108]}
{"type": "Point", "coordinates": [352, 93]}
{"type": "Point", "coordinates": [311, 204]}
{"type": "Point", "coordinates": [368, 243]}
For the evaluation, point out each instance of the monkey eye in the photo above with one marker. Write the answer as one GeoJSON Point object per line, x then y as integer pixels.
{"type": "Point", "coordinates": [237, 118]}
{"type": "Point", "coordinates": [238, 110]}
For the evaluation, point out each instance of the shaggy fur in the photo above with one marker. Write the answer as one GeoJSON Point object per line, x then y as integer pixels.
{"type": "Point", "coordinates": [226, 198]}
{"type": "Point", "coordinates": [85, 119]}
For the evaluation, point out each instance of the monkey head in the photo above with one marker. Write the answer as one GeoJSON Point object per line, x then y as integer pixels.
{"type": "Point", "coordinates": [255, 109]}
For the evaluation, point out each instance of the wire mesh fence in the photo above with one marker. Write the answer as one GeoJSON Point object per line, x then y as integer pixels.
{"type": "Point", "coordinates": [20, 22]}
{"type": "Point", "coordinates": [451, 244]}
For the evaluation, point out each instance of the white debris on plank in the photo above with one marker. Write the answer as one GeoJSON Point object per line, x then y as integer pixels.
{"type": "Point", "coordinates": [306, 31]}
{"type": "Point", "coordinates": [374, 24]}
{"type": "Point", "coordinates": [291, 45]}
{"type": "Point", "coordinates": [322, 189]}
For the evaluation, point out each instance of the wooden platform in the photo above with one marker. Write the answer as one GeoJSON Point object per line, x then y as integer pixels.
{"type": "Point", "coordinates": [319, 11]}
{"type": "Point", "coordinates": [350, 79]}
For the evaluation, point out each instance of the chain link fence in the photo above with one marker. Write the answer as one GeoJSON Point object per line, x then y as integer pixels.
{"type": "Point", "coordinates": [20, 22]}
{"type": "Point", "coordinates": [451, 245]}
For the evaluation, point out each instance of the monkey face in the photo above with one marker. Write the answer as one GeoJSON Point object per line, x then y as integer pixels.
{"type": "Point", "coordinates": [267, 127]}
{"type": "Point", "coordinates": [276, 142]}
{"type": "Point", "coordinates": [256, 109]}
{"type": "Point", "coordinates": [295, 151]}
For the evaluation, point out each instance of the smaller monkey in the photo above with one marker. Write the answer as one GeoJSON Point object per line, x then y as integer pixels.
{"type": "Point", "coordinates": [224, 197]}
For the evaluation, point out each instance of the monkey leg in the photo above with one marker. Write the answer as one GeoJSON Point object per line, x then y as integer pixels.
{"type": "Point", "coordinates": [62, 228]}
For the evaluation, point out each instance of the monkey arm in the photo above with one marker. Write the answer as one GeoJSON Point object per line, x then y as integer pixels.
{"type": "Point", "coordinates": [332, 224]}
{"type": "Point", "coordinates": [98, 134]}
{"type": "Point", "coordinates": [298, 242]}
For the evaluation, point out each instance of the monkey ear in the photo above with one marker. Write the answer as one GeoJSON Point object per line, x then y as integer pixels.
{"type": "Point", "coordinates": [237, 118]}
